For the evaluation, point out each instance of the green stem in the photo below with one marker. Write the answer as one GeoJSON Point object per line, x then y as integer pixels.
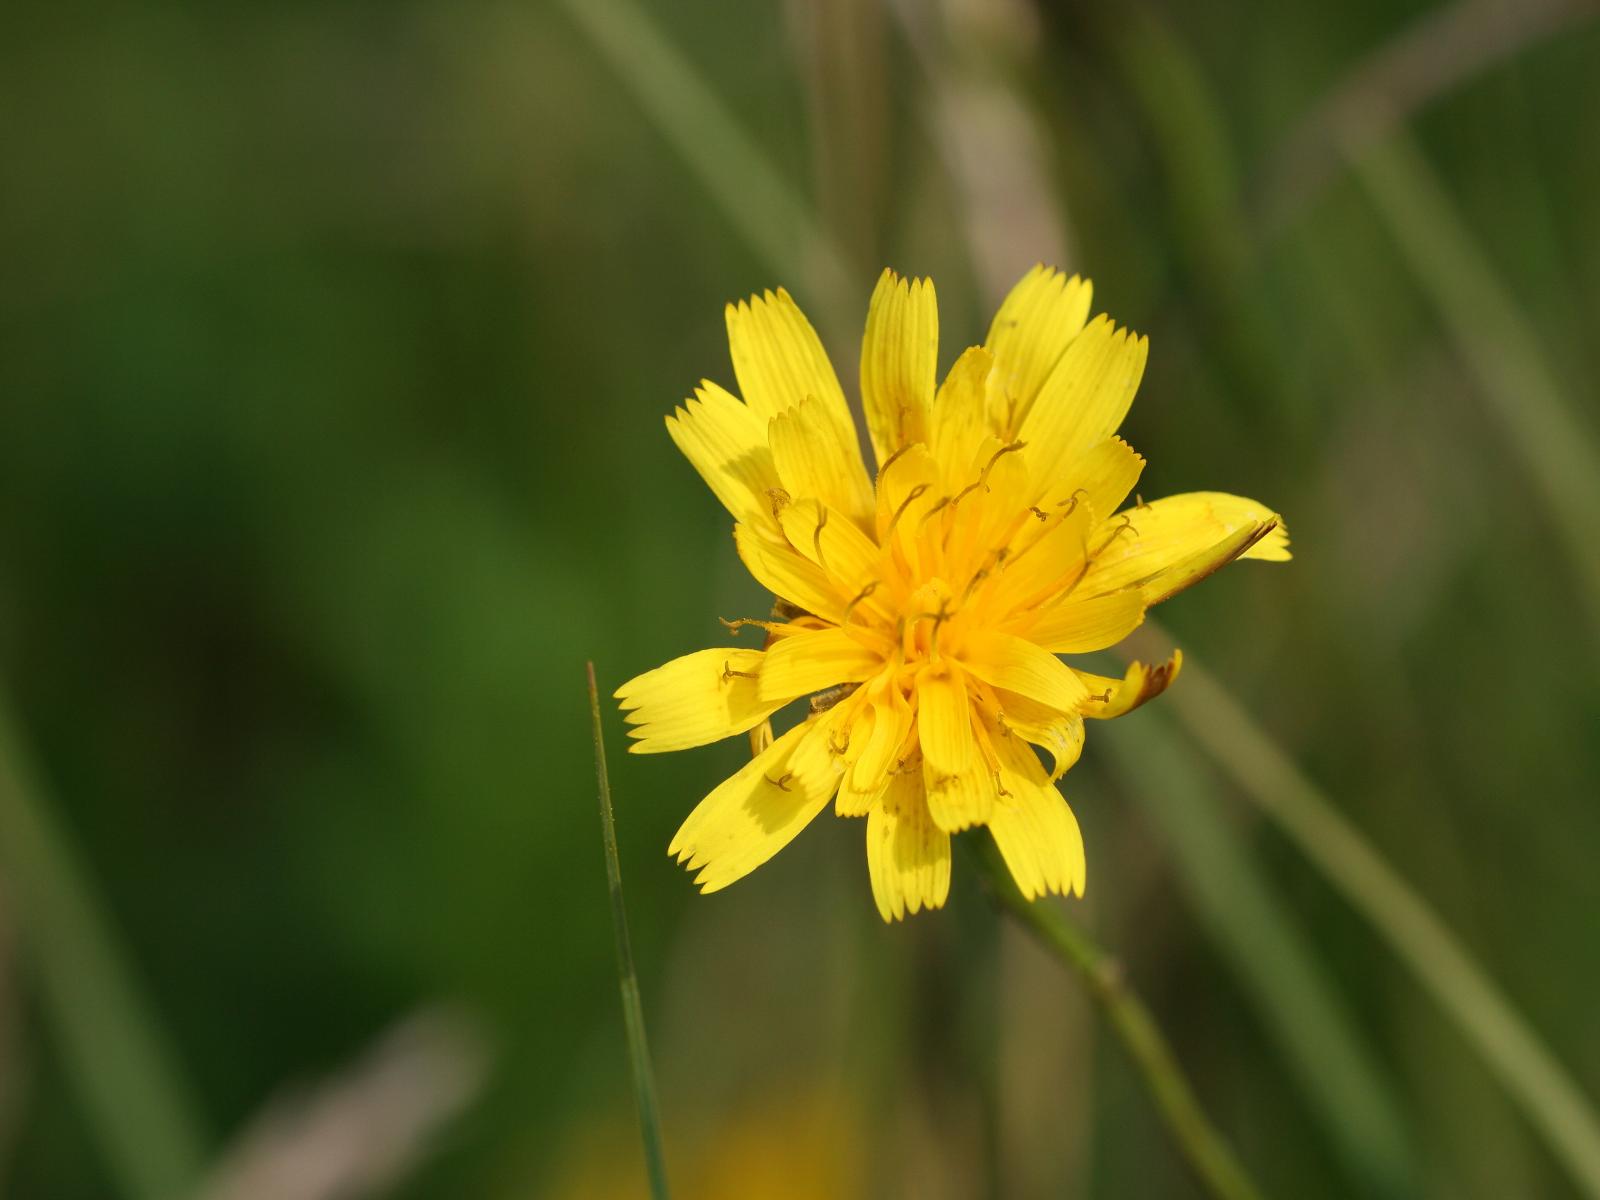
{"type": "Point", "coordinates": [1273, 954]}
{"type": "Point", "coordinates": [644, 1086]}
{"type": "Point", "coordinates": [1202, 1146]}
{"type": "Point", "coordinates": [111, 1045]}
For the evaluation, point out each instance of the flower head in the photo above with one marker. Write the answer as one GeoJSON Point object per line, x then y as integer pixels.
{"type": "Point", "coordinates": [922, 609]}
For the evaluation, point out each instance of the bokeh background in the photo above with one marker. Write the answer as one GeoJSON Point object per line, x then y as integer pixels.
{"type": "Point", "coordinates": [335, 342]}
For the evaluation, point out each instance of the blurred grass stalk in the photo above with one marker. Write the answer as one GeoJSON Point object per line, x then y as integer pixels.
{"type": "Point", "coordinates": [1256, 933]}
{"type": "Point", "coordinates": [1547, 1095]}
{"type": "Point", "coordinates": [1202, 1146]}
{"type": "Point", "coordinates": [644, 1084]}
{"type": "Point", "coordinates": [110, 1043]}
{"type": "Point", "coordinates": [1558, 454]}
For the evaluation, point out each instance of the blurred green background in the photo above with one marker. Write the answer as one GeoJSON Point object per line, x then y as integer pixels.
{"type": "Point", "coordinates": [335, 342]}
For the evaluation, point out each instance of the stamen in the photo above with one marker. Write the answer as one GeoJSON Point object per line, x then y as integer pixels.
{"type": "Point", "coordinates": [1125, 527]}
{"type": "Point", "coordinates": [938, 619]}
{"type": "Point", "coordinates": [780, 500]}
{"type": "Point", "coordinates": [816, 538]}
{"type": "Point", "coordinates": [964, 492]}
{"type": "Point", "coordinates": [998, 454]}
{"type": "Point", "coordinates": [782, 782]}
{"type": "Point", "coordinates": [728, 672]}
{"type": "Point", "coordinates": [942, 504]}
{"type": "Point", "coordinates": [889, 462]}
{"type": "Point", "coordinates": [914, 494]}
{"type": "Point", "coordinates": [860, 596]}
{"type": "Point", "coordinates": [740, 623]}
{"type": "Point", "coordinates": [1038, 512]}
{"type": "Point", "coordinates": [1071, 502]}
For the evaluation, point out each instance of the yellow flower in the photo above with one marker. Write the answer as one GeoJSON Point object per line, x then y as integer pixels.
{"type": "Point", "coordinates": [922, 612]}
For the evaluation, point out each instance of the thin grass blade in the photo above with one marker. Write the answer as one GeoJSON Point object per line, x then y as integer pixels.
{"type": "Point", "coordinates": [644, 1084]}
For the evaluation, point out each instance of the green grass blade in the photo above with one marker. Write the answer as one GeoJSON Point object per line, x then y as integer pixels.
{"type": "Point", "coordinates": [1562, 1115]}
{"type": "Point", "coordinates": [1490, 333]}
{"type": "Point", "coordinates": [644, 1084]}
{"type": "Point", "coordinates": [769, 213]}
{"type": "Point", "coordinates": [111, 1045]}
{"type": "Point", "coordinates": [1444, 48]}
{"type": "Point", "coordinates": [1271, 955]}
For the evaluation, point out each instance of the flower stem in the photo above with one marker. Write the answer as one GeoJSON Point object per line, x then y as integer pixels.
{"type": "Point", "coordinates": [644, 1084]}
{"type": "Point", "coordinates": [1199, 1141]}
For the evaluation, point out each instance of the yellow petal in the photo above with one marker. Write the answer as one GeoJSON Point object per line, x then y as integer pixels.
{"type": "Point", "coordinates": [908, 855]}
{"type": "Point", "coordinates": [961, 801]}
{"type": "Point", "coordinates": [1106, 474]}
{"type": "Point", "coordinates": [694, 700]}
{"type": "Point", "coordinates": [789, 575]}
{"type": "Point", "coordinates": [913, 474]}
{"type": "Point", "coordinates": [1086, 396]}
{"type": "Point", "coordinates": [957, 783]}
{"type": "Point", "coordinates": [1174, 542]}
{"type": "Point", "coordinates": [899, 361]}
{"type": "Point", "coordinates": [1037, 834]}
{"type": "Point", "coordinates": [1083, 626]}
{"type": "Point", "coordinates": [1273, 547]}
{"type": "Point", "coordinates": [814, 461]}
{"type": "Point", "coordinates": [1192, 569]}
{"type": "Point", "coordinates": [1004, 661]}
{"type": "Point", "coordinates": [727, 444]}
{"type": "Point", "coordinates": [812, 662]}
{"type": "Point", "coordinates": [757, 812]}
{"type": "Point", "coordinates": [1055, 560]}
{"type": "Point", "coordinates": [1113, 697]}
{"type": "Point", "coordinates": [1062, 736]}
{"type": "Point", "coordinates": [778, 358]}
{"type": "Point", "coordinates": [876, 738]}
{"type": "Point", "coordinates": [999, 490]}
{"type": "Point", "coordinates": [944, 722]}
{"type": "Point", "coordinates": [848, 557]}
{"type": "Point", "coordinates": [1043, 313]}
{"type": "Point", "coordinates": [959, 422]}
